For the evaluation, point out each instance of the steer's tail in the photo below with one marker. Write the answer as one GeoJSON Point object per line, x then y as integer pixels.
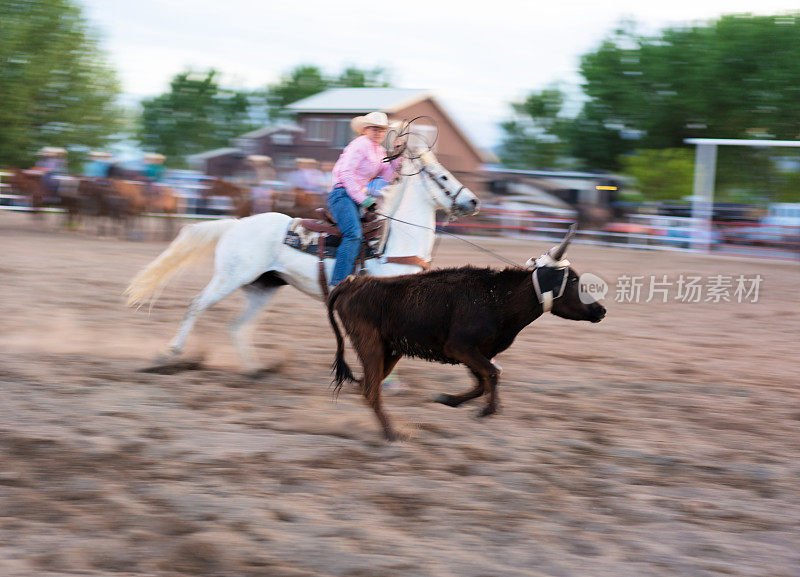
{"type": "Point", "coordinates": [192, 243]}
{"type": "Point", "coordinates": [340, 369]}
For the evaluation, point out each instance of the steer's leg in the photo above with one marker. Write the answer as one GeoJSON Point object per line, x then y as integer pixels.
{"type": "Point", "coordinates": [485, 372]}
{"type": "Point", "coordinates": [491, 381]}
{"type": "Point", "coordinates": [372, 354]}
{"type": "Point", "coordinates": [456, 400]}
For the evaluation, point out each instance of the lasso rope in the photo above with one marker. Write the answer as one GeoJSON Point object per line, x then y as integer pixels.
{"type": "Point", "coordinates": [479, 247]}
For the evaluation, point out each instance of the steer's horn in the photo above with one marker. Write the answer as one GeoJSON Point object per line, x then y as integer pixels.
{"type": "Point", "coordinates": [557, 252]}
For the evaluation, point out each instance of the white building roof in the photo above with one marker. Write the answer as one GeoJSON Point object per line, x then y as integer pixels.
{"type": "Point", "coordinates": [742, 142]}
{"type": "Point", "coordinates": [212, 153]}
{"type": "Point", "coordinates": [270, 129]}
{"type": "Point", "coordinates": [359, 100]}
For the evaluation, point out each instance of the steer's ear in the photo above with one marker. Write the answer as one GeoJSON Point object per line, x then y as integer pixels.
{"type": "Point", "coordinates": [557, 252]}
{"type": "Point", "coordinates": [531, 262]}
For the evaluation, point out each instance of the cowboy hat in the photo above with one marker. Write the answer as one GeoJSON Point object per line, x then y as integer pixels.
{"type": "Point", "coordinates": [305, 162]}
{"type": "Point", "coordinates": [259, 159]}
{"type": "Point", "coordinates": [154, 157]}
{"type": "Point", "coordinates": [52, 151]}
{"type": "Point", "coordinates": [359, 123]}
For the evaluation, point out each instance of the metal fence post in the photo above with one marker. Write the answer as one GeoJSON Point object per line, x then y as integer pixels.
{"type": "Point", "coordinates": [705, 168]}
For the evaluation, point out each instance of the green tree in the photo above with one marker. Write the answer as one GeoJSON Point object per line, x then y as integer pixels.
{"type": "Point", "coordinates": [735, 77]}
{"type": "Point", "coordinates": [352, 77]}
{"type": "Point", "coordinates": [664, 174]}
{"type": "Point", "coordinates": [301, 82]}
{"type": "Point", "coordinates": [195, 115]}
{"type": "Point", "coordinates": [56, 87]}
{"type": "Point", "coordinates": [532, 138]}
{"type": "Point", "coordinates": [306, 80]}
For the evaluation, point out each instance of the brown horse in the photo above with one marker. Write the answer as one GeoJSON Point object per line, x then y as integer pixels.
{"type": "Point", "coordinates": [99, 200]}
{"type": "Point", "coordinates": [239, 194]}
{"type": "Point", "coordinates": [306, 203]}
{"type": "Point", "coordinates": [141, 198]}
{"type": "Point", "coordinates": [28, 183]}
{"type": "Point", "coordinates": [162, 201]}
{"type": "Point", "coordinates": [298, 202]}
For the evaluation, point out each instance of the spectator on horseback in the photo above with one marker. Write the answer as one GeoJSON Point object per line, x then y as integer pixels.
{"type": "Point", "coordinates": [258, 174]}
{"type": "Point", "coordinates": [257, 168]}
{"type": "Point", "coordinates": [98, 165]}
{"type": "Point", "coordinates": [359, 176]}
{"type": "Point", "coordinates": [153, 166]}
{"type": "Point", "coordinates": [52, 163]}
{"type": "Point", "coordinates": [307, 177]}
{"type": "Point", "coordinates": [153, 172]}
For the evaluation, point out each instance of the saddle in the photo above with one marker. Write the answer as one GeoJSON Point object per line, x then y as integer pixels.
{"type": "Point", "coordinates": [371, 228]}
{"type": "Point", "coordinates": [322, 231]}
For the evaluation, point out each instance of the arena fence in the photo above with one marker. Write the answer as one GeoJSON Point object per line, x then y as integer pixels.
{"type": "Point", "coordinates": [648, 232]}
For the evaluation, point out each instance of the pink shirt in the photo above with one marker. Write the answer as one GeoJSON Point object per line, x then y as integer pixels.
{"type": "Point", "coordinates": [360, 162]}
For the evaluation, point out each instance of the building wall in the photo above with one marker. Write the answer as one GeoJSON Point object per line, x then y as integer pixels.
{"type": "Point", "coordinates": [224, 165]}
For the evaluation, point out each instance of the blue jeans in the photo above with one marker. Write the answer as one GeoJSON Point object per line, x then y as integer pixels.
{"type": "Point", "coordinates": [348, 218]}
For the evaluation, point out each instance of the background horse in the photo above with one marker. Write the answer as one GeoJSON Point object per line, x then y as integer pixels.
{"type": "Point", "coordinates": [99, 201]}
{"type": "Point", "coordinates": [136, 198]}
{"type": "Point", "coordinates": [306, 202]}
{"type": "Point", "coordinates": [251, 254]}
{"type": "Point", "coordinates": [162, 201]}
{"type": "Point", "coordinates": [29, 184]}
{"type": "Point", "coordinates": [239, 194]}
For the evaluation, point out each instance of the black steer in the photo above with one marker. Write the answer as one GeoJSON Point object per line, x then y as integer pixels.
{"type": "Point", "coordinates": [458, 315]}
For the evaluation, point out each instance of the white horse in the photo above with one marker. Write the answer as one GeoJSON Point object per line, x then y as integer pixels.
{"type": "Point", "coordinates": [250, 252]}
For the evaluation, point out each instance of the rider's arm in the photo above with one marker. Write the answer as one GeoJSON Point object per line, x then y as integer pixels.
{"type": "Point", "coordinates": [390, 169]}
{"type": "Point", "coordinates": [345, 169]}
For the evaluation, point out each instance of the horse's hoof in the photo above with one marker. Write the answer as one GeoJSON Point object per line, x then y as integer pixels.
{"type": "Point", "coordinates": [445, 399]}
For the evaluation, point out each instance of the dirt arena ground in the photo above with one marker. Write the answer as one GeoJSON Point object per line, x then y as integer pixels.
{"type": "Point", "coordinates": [663, 441]}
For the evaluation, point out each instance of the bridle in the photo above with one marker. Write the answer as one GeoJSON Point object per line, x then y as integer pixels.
{"type": "Point", "coordinates": [453, 196]}
{"type": "Point", "coordinates": [452, 213]}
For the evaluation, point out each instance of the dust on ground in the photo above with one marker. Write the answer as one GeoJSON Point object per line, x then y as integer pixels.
{"type": "Point", "coordinates": [662, 441]}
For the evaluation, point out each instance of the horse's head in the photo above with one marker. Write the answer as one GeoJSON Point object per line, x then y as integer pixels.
{"type": "Point", "coordinates": [557, 285]}
{"type": "Point", "coordinates": [447, 192]}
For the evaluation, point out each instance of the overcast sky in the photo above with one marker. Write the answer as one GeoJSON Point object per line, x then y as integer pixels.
{"type": "Point", "coordinates": [475, 59]}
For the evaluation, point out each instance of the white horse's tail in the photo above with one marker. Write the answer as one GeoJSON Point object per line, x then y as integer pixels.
{"type": "Point", "coordinates": [194, 242]}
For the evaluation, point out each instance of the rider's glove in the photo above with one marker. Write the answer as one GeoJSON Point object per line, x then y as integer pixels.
{"type": "Point", "coordinates": [368, 204]}
{"type": "Point", "coordinates": [375, 187]}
